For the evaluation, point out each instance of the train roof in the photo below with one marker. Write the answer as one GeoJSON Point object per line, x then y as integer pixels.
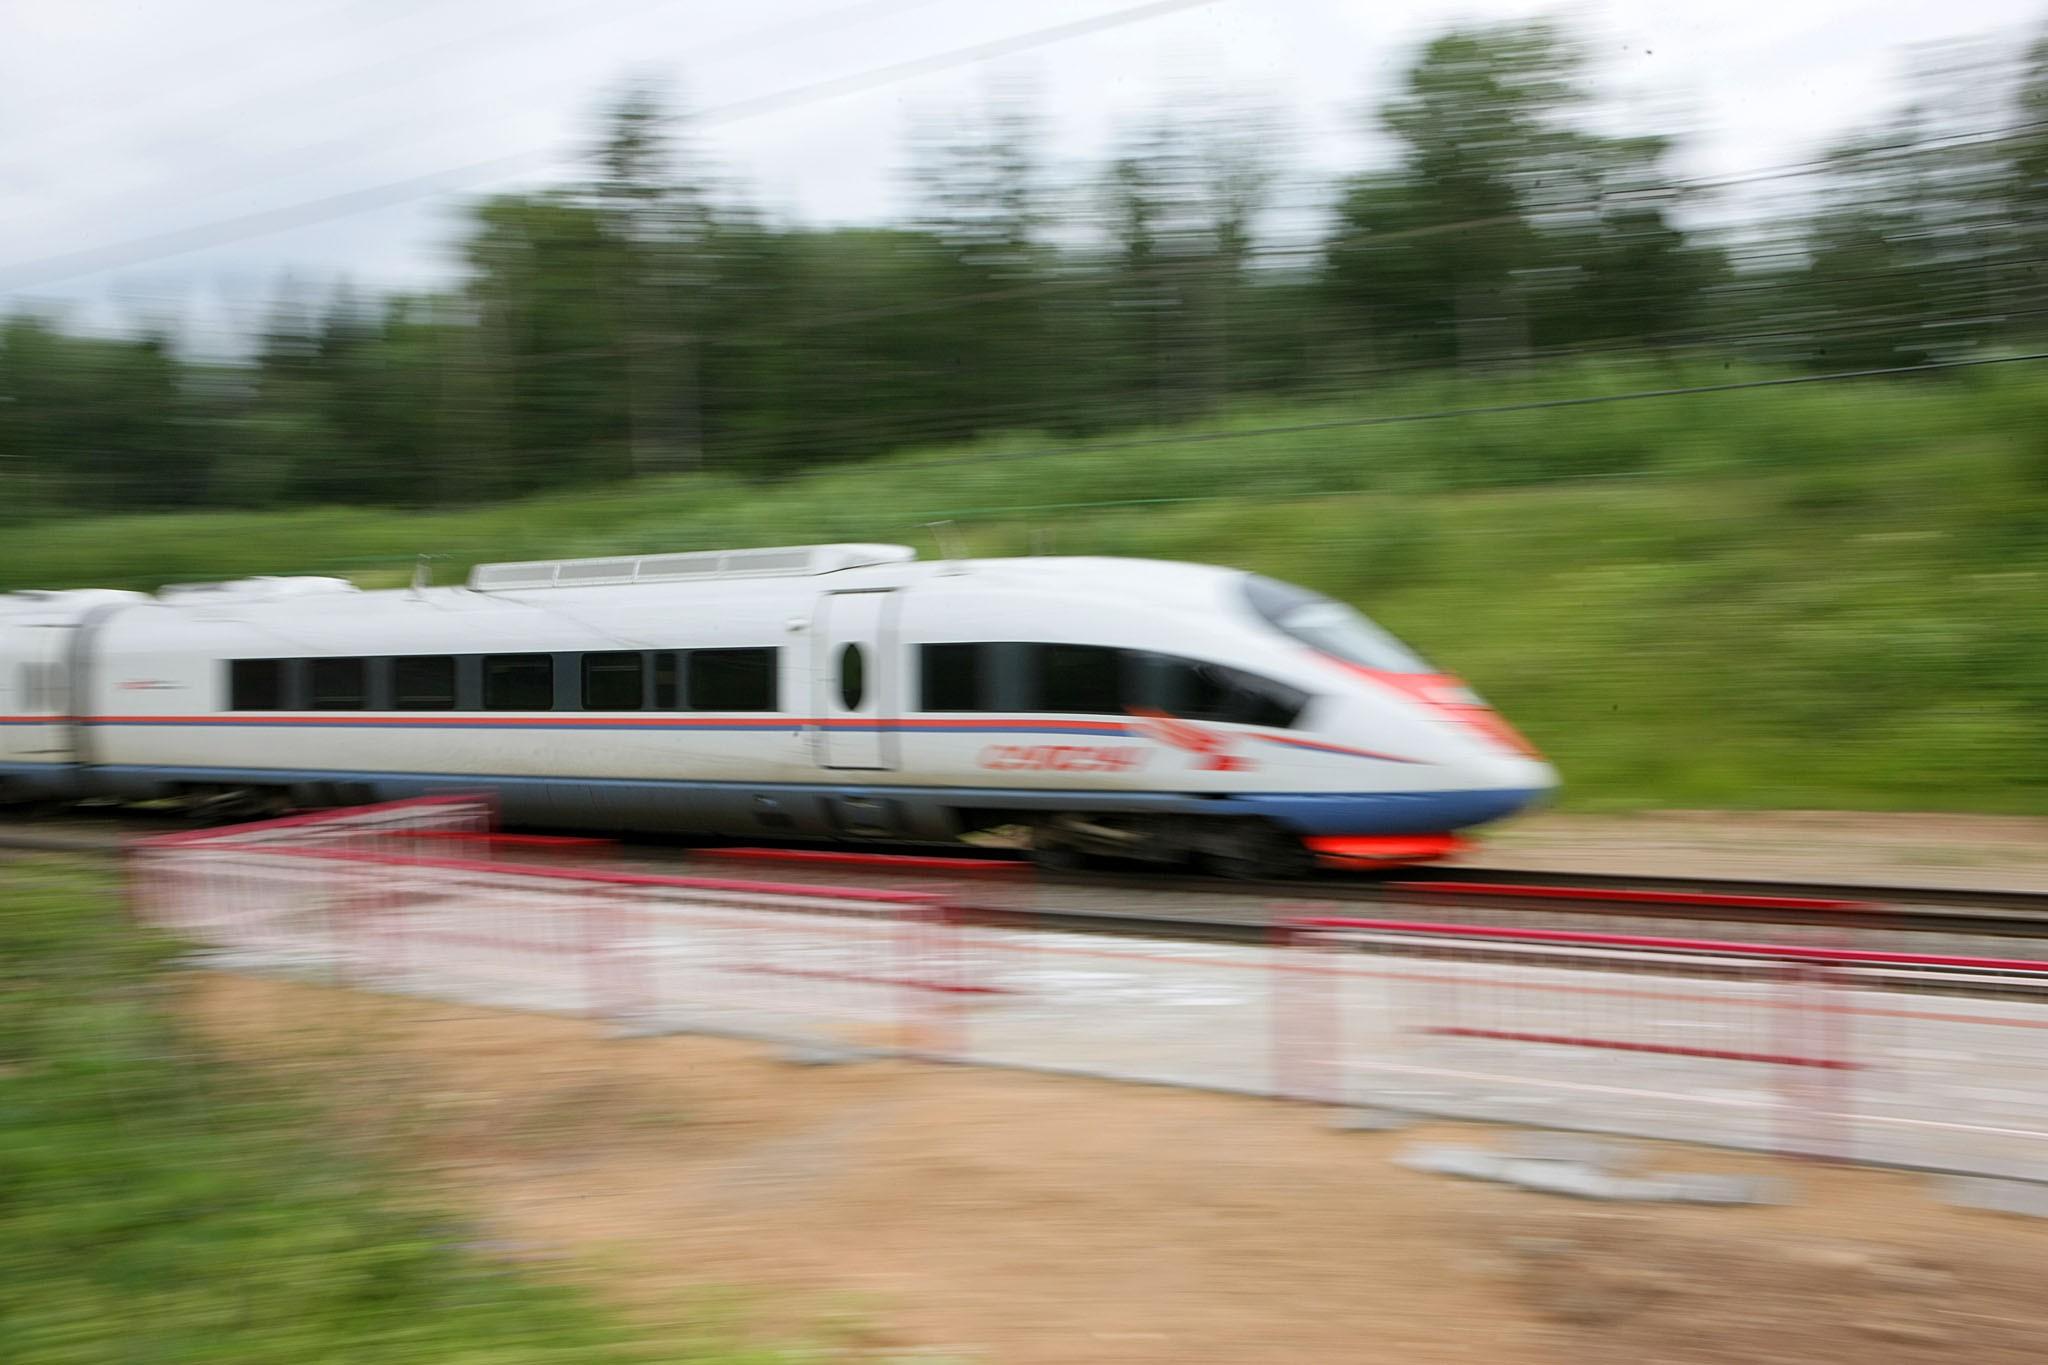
{"type": "Point", "coordinates": [617, 580]}
{"type": "Point", "coordinates": [691, 566]}
{"type": "Point", "coordinates": [61, 606]}
{"type": "Point", "coordinates": [1095, 599]}
{"type": "Point", "coordinates": [813, 561]}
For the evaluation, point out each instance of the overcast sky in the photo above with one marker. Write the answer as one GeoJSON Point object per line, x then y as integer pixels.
{"type": "Point", "coordinates": [130, 119]}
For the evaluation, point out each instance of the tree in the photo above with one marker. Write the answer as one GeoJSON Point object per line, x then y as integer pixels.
{"type": "Point", "coordinates": [1503, 225]}
{"type": "Point", "coordinates": [978, 282]}
{"type": "Point", "coordinates": [545, 288]}
{"type": "Point", "coordinates": [98, 425]}
{"type": "Point", "coordinates": [1917, 247]}
{"type": "Point", "coordinates": [1429, 253]}
{"type": "Point", "coordinates": [663, 222]}
{"type": "Point", "coordinates": [1180, 207]}
{"type": "Point", "coordinates": [2026, 190]}
{"type": "Point", "coordinates": [1617, 265]}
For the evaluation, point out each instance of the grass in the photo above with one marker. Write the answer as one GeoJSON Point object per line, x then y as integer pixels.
{"type": "Point", "coordinates": [1831, 595]}
{"type": "Point", "coordinates": [158, 1205]}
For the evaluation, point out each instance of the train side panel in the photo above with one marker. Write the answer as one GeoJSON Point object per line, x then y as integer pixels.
{"type": "Point", "coordinates": [159, 718]}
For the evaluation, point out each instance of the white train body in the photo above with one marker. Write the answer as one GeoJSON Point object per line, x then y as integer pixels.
{"type": "Point", "coordinates": [837, 691]}
{"type": "Point", "coordinates": [39, 636]}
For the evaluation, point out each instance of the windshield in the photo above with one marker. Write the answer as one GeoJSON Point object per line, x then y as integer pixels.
{"type": "Point", "coordinates": [1327, 625]}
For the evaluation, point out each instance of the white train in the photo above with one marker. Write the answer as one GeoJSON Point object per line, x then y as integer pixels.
{"type": "Point", "coordinates": [1110, 706]}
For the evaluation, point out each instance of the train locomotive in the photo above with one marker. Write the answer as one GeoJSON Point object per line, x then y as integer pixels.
{"type": "Point", "coordinates": [1120, 708]}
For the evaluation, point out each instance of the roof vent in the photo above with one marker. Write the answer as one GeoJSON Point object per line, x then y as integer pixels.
{"type": "Point", "coordinates": [785, 561]}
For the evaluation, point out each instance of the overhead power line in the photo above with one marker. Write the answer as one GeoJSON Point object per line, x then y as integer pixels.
{"type": "Point", "coordinates": [153, 246]}
{"type": "Point", "coordinates": [299, 159]}
{"type": "Point", "coordinates": [1314, 251]}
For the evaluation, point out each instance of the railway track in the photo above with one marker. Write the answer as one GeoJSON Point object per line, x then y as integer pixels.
{"type": "Point", "coordinates": [1966, 951]}
{"type": "Point", "coordinates": [1456, 893]}
{"type": "Point", "coordinates": [1178, 906]}
{"type": "Point", "coordinates": [1943, 928]}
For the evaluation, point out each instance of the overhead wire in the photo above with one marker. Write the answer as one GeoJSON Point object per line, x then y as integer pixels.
{"type": "Point", "coordinates": [178, 241]}
{"type": "Point", "coordinates": [1081, 281]}
{"type": "Point", "coordinates": [829, 89]}
{"type": "Point", "coordinates": [299, 159]}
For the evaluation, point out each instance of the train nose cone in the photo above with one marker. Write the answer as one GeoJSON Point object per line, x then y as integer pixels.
{"type": "Point", "coordinates": [1515, 782]}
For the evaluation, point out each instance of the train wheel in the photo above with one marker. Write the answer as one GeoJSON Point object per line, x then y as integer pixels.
{"type": "Point", "coordinates": [1254, 850]}
{"type": "Point", "coordinates": [1060, 858]}
{"type": "Point", "coordinates": [1069, 844]}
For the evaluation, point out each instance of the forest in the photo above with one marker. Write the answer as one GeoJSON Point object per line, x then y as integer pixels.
{"type": "Point", "coordinates": [647, 318]}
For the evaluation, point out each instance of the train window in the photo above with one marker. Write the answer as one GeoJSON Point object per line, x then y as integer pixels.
{"type": "Point", "coordinates": [852, 682]}
{"type": "Point", "coordinates": [614, 681]}
{"type": "Point", "coordinates": [731, 680]}
{"type": "Point", "coordinates": [423, 682]}
{"type": "Point", "coordinates": [1085, 678]}
{"type": "Point", "coordinates": [256, 685]}
{"type": "Point", "coordinates": [337, 684]}
{"type": "Point", "coordinates": [1204, 691]}
{"type": "Point", "coordinates": [950, 677]}
{"type": "Point", "coordinates": [519, 682]}
{"type": "Point", "coordinates": [1328, 626]}
{"type": "Point", "coordinates": [666, 693]}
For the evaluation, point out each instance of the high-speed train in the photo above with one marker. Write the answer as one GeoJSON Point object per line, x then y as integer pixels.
{"type": "Point", "coordinates": [1110, 707]}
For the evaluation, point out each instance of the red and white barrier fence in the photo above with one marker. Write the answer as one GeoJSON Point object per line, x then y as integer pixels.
{"type": "Point", "coordinates": [1783, 1047]}
{"type": "Point", "coordinates": [1780, 1047]}
{"type": "Point", "coordinates": [1603, 1030]}
{"type": "Point", "coordinates": [427, 817]}
{"type": "Point", "coordinates": [206, 884]}
{"type": "Point", "coordinates": [350, 894]}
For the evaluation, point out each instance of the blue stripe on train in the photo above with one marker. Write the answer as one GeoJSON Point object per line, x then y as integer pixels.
{"type": "Point", "coordinates": [1306, 813]}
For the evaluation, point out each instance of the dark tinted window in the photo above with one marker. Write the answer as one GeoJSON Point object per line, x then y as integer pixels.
{"type": "Point", "coordinates": [519, 682]}
{"type": "Point", "coordinates": [666, 694]}
{"type": "Point", "coordinates": [1327, 625]}
{"type": "Point", "coordinates": [852, 679]}
{"type": "Point", "coordinates": [423, 683]}
{"type": "Point", "coordinates": [613, 681]}
{"type": "Point", "coordinates": [1206, 691]}
{"type": "Point", "coordinates": [336, 684]}
{"type": "Point", "coordinates": [951, 677]}
{"type": "Point", "coordinates": [1087, 678]}
{"type": "Point", "coordinates": [730, 680]}
{"type": "Point", "coordinates": [256, 685]}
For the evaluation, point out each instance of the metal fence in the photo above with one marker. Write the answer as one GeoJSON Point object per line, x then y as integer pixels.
{"type": "Point", "coordinates": [1896, 1057]}
{"type": "Point", "coordinates": [1881, 1056]}
{"type": "Point", "coordinates": [349, 896]}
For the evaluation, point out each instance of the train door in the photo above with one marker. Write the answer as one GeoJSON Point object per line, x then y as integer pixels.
{"type": "Point", "coordinates": [855, 681]}
{"type": "Point", "coordinates": [32, 692]}
{"type": "Point", "coordinates": [48, 693]}
{"type": "Point", "coordinates": [14, 736]}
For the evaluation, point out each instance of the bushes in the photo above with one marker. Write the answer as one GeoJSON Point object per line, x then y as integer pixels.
{"type": "Point", "coordinates": [156, 1204]}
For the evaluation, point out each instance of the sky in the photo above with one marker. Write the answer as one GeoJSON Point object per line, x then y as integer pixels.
{"type": "Point", "coordinates": [131, 130]}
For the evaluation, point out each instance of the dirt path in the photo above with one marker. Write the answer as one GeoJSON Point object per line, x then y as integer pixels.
{"type": "Point", "coordinates": [895, 1212]}
{"type": "Point", "coordinates": [1988, 851]}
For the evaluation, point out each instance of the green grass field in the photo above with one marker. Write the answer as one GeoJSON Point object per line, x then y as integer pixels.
{"type": "Point", "coordinates": [1823, 596]}
{"type": "Point", "coordinates": [157, 1205]}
